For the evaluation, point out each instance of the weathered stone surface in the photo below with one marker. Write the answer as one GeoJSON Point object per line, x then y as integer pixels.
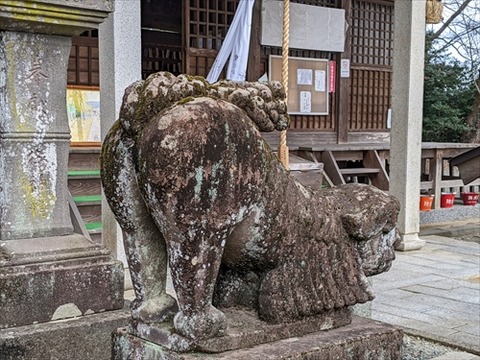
{"type": "Point", "coordinates": [41, 292]}
{"type": "Point", "coordinates": [244, 330]}
{"type": "Point", "coordinates": [34, 136]}
{"type": "Point", "coordinates": [47, 249]}
{"type": "Point", "coordinates": [188, 174]}
{"type": "Point", "coordinates": [54, 17]}
{"type": "Point", "coordinates": [46, 271]}
{"type": "Point", "coordinates": [88, 337]}
{"type": "Point", "coordinates": [362, 340]}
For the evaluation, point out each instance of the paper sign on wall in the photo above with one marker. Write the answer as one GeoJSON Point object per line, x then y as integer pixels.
{"type": "Point", "coordinates": [305, 101]}
{"type": "Point", "coordinates": [345, 68]}
{"type": "Point", "coordinates": [304, 77]}
{"type": "Point", "coordinates": [320, 80]}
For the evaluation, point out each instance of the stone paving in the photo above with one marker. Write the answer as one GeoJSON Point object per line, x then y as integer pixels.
{"type": "Point", "coordinates": [434, 293]}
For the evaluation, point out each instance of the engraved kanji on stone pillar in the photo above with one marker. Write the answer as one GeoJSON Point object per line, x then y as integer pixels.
{"type": "Point", "coordinates": [34, 135]}
{"type": "Point", "coordinates": [47, 272]}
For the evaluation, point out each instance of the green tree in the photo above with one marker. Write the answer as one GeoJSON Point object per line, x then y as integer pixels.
{"type": "Point", "coordinates": [448, 96]}
{"type": "Point", "coordinates": [459, 33]}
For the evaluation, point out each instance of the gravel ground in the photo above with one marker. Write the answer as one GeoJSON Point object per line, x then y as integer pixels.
{"type": "Point", "coordinates": [472, 237]}
{"type": "Point", "coordinates": [415, 348]}
{"type": "Point", "coordinates": [470, 233]}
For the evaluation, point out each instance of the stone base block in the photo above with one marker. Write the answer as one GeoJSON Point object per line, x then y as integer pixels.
{"type": "Point", "coordinates": [44, 291]}
{"type": "Point", "coordinates": [85, 338]}
{"type": "Point", "coordinates": [363, 339]}
{"type": "Point", "coordinates": [239, 334]}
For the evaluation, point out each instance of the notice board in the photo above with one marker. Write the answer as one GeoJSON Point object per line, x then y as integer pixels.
{"type": "Point", "coordinates": [308, 81]}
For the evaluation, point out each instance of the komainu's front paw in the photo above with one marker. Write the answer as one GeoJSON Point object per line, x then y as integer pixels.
{"type": "Point", "coordinates": [202, 325]}
{"type": "Point", "coordinates": [154, 310]}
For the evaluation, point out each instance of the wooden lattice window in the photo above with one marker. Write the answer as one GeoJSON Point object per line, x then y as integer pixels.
{"type": "Point", "coordinates": [372, 32]}
{"type": "Point", "coordinates": [83, 63]}
{"type": "Point", "coordinates": [161, 52]}
{"type": "Point", "coordinates": [370, 98]}
{"type": "Point", "coordinates": [209, 21]}
{"type": "Point", "coordinates": [371, 70]}
{"type": "Point", "coordinates": [161, 23]}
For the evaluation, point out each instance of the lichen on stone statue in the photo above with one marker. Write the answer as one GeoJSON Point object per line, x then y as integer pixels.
{"type": "Point", "coordinates": [192, 183]}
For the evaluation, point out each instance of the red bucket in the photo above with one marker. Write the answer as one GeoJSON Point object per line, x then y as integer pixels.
{"type": "Point", "coordinates": [426, 202]}
{"type": "Point", "coordinates": [470, 198]}
{"type": "Point", "coordinates": [447, 200]}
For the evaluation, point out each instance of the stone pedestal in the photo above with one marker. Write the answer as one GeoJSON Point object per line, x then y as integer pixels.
{"type": "Point", "coordinates": [363, 339]}
{"type": "Point", "coordinates": [46, 271]}
{"type": "Point", "coordinates": [82, 338]}
{"type": "Point", "coordinates": [57, 278]}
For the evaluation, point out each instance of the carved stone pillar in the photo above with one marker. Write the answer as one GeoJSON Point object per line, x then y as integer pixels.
{"type": "Point", "coordinates": [46, 271]}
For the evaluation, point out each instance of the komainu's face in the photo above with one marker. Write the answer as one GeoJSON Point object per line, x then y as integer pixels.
{"type": "Point", "coordinates": [377, 253]}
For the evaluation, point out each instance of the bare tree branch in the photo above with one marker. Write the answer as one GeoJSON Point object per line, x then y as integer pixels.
{"type": "Point", "coordinates": [450, 19]}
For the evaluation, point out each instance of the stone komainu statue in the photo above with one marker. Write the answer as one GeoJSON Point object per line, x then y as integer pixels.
{"type": "Point", "coordinates": [191, 181]}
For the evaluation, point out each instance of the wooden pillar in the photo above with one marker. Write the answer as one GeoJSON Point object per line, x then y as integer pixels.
{"type": "Point", "coordinates": [186, 36]}
{"type": "Point", "coordinates": [436, 172]}
{"type": "Point", "coordinates": [255, 53]}
{"type": "Point", "coordinates": [343, 90]}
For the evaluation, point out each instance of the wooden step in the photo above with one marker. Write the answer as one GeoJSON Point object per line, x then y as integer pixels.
{"type": "Point", "coordinates": [94, 226]}
{"type": "Point", "coordinates": [371, 159]}
{"type": "Point", "coordinates": [373, 168]}
{"type": "Point", "coordinates": [331, 168]}
{"type": "Point", "coordinates": [359, 171]}
{"type": "Point", "coordinates": [308, 171]}
{"type": "Point", "coordinates": [89, 207]}
{"type": "Point", "coordinates": [95, 231]}
{"type": "Point", "coordinates": [84, 182]}
{"type": "Point", "coordinates": [84, 174]}
{"type": "Point", "coordinates": [88, 200]}
{"type": "Point", "coordinates": [307, 166]}
{"type": "Point", "coordinates": [85, 186]}
{"type": "Point", "coordinates": [84, 158]}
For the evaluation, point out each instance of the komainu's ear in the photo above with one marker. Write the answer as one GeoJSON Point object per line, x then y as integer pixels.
{"type": "Point", "coordinates": [361, 226]}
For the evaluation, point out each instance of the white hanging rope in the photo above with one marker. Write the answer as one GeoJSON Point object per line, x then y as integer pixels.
{"type": "Point", "coordinates": [236, 45]}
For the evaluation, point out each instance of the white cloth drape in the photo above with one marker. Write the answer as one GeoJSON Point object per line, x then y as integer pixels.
{"type": "Point", "coordinates": [236, 45]}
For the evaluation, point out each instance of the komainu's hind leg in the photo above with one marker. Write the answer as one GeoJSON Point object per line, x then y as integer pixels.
{"type": "Point", "coordinates": [195, 260]}
{"type": "Point", "coordinates": [142, 239]}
